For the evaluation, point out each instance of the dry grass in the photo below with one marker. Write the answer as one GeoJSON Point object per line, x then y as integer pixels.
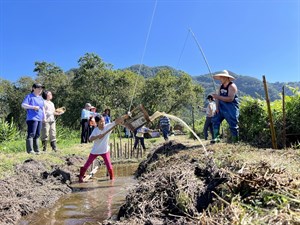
{"type": "Point", "coordinates": [233, 184]}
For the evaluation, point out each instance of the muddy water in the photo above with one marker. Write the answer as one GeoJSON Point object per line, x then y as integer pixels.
{"type": "Point", "coordinates": [92, 202]}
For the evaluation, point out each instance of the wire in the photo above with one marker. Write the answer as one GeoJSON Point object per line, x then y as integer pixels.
{"type": "Point", "coordinates": [142, 58]}
{"type": "Point", "coordinates": [187, 36]}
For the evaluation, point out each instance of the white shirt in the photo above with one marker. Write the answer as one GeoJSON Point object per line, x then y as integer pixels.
{"type": "Point", "coordinates": [211, 109]}
{"type": "Point", "coordinates": [49, 111]}
{"type": "Point", "coordinates": [101, 146]}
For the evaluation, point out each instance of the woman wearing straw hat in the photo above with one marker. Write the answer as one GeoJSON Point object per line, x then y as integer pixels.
{"type": "Point", "coordinates": [227, 105]}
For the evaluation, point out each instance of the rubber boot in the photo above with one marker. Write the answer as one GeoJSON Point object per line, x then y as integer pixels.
{"type": "Point", "coordinates": [53, 145]}
{"type": "Point", "coordinates": [216, 136]}
{"type": "Point", "coordinates": [235, 139]}
{"type": "Point", "coordinates": [81, 174]}
{"type": "Point", "coordinates": [44, 144]}
{"type": "Point", "coordinates": [111, 174]}
{"type": "Point", "coordinates": [29, 146]}
{"type": "Point", "coordinates": [36, 146]}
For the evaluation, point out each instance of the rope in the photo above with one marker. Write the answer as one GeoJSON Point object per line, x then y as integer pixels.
{"type": "Point", "coordinates": [142, 58]}
{"type": "Point", "coordinates": [204, 58]}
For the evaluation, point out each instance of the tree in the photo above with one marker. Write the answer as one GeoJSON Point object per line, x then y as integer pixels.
{"type": "Point", "coordinates": [167, 93]}
{"type": "Point", "coordinates": [16, 93]}
{"type": "Point", "coordinates": [51, 76]}
{"type": "Point", "coordinates": [5, 85]}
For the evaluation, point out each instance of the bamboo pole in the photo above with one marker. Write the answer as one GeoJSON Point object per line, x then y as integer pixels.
{"type": "Point", "coordinates": [128, 146]}
{"type": "Point", "coordinates": [120, 139]}
{"type": "Point", "coordinates": [131, 148]}
{"type": "Point", "coordinates": [118, 151]}
{"type": "Point", "coordinates": [274, 142]}
{"type": "Point", "coordinates": [115, 142]}
{"type": "Point", "coordinates": [283, 118]}
{"type": "Point", "coordinates": [111, 151]}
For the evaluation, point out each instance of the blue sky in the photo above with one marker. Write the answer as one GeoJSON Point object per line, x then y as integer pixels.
{"type": "Point", "coordinates": [248, 37]}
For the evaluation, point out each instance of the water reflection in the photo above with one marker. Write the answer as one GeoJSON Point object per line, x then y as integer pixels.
{"type": "Point", "coordinates": [94, 201]}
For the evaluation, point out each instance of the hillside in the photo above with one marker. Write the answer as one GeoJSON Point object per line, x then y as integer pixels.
{"type": "Point", "coordinates": [247, 85]}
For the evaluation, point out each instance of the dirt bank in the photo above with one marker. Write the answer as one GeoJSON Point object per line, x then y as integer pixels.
{"type": "Point", "coordinates": [177, 184]}
{"type": "Point", "coordinates": [35, 186]}
{"type": "Point", "coordinates": [234, 184]}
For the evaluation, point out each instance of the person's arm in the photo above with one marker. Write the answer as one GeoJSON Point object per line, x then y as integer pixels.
{"type": "Point", "coordinates": [27, 106]}
{"type": "Point", "coordinates": [44, 114]}
{"type": "Point", "coordinates": [57, 113]}
{"type": "Point", "coordinates": [93, 138]}
{"type": "Point", "coordinates": [210, 110]}
{"type": "Point", "coordinates": [82, 113]}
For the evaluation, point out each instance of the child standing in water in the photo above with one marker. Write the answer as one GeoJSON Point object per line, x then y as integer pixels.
{"type": "Point", "coordinates": [100, 136]}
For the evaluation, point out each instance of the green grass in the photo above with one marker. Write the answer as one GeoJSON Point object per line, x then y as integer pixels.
{"type": "Point", "coordinates": [14, 152]}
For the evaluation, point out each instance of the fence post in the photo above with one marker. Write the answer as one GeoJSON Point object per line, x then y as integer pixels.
{"type": "Point", "coordinates": [115, 142]}
{"type": "Point", "coordinates": [283, 118]}
{"type": "Point", "coordinates": [118, 150]}
{"type": "Point", "coordinates": [274, 142]}
{"type": "Point", "coordinates": [111, 151]}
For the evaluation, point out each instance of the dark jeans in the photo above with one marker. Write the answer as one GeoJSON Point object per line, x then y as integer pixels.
{"type": "Point", "coordinates": [137, 140]}
{"type": "Point", "coordinates": [84, 131]}
{"type": "Point", "coordinates": [33, 129]}
{"type": "Point", "coordinates": [208, 125]}
{"type": "Point", "coordinates": [165, 130]}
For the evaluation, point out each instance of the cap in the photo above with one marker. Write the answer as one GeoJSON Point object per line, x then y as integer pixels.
{"type": "Point", "coordinates": [88, 105]}
{"type": "Point", "coordinates": [38, 85]}
{"type": "Point", "coordinates": [210, 97]}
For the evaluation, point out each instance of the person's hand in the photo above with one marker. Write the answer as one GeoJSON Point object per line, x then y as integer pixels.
{"type": "Point", "coordinates": [215, 96]}
{"type": "Point", "coordinates": [36, 108]}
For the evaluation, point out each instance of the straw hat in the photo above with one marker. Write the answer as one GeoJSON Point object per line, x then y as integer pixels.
{"type": "Point", "coordinates": [224, 73]}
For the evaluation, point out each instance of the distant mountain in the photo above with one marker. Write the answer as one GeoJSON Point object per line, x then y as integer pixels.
{"type": "Point", "coordinates": [246, 85]}
{"type": "Point", "coordinates": [147, 71]}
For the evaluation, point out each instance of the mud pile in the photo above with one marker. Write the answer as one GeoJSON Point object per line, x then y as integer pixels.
{"type": "Point", "coordinates": [179, 185]}
{"type": "Point", "coordinates": [34, 187]}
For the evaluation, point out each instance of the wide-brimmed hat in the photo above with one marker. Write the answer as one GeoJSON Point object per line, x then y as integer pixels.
{"type": "Point", "coordinates": [38, 85]}
{"type": "Point", "coordinates": [224, 73]}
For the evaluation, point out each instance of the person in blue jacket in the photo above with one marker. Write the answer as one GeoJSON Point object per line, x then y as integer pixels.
{"type": "Point", "coordinates": [227, 106]}
{"type": "Point", "coordinates": [34, 105]}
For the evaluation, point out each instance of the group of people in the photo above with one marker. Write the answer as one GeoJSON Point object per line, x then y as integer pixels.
{"type": "Point", "coordinates": [40, 119]}
{"type": "Point", "coordinates": [224, 105]}
{"type": "Point", "coordinates": [88, 123]}
{"type": "Point", "coordinates": [97, 127]}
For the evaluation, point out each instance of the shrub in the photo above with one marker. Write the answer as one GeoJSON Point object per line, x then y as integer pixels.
{"type": "Point", "coordinates": [253, 122]}
{"type": "Point", "coordinates": [8, 131]}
